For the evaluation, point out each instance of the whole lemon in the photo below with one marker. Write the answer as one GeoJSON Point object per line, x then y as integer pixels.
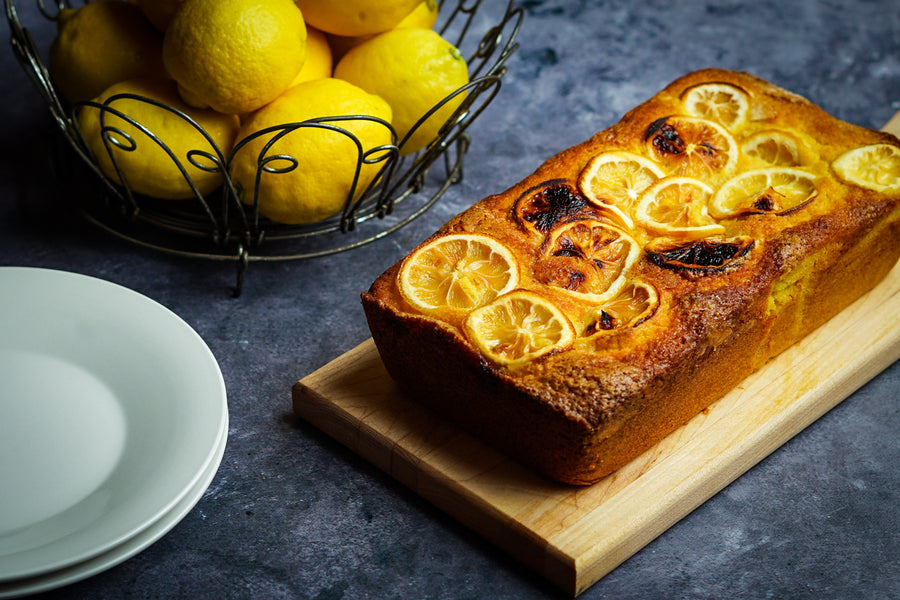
{"type": "Point", "coordinates": [146, 166]}
{"type": "Point", "coordinates": [319, 62]}
{"type": "Point", "coordinates": [355, 17]}
{"type": "Point", "coordinates": [319, 185]}
{"type": "Point", "coordinates": [413, 69]}
{"type": "Point", "coordinates": [234, 55]}
{"type": "Point", "coordinates": [159, 12]}
{"type": "Point", "coordinates": [424, 15]}
{"type": "Point", "coordinates": [100, 43]}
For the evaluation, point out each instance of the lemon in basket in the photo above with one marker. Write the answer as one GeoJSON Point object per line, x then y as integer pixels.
{"type": "Point", "coordinates": [234, 55]}
{"type": "Point", "coordinates": [424, 16]}
{"type": "Point", "coordinates": [307, 173]}
{"type": "Point", "coordinates": [355, 17]}
{"type": "Point", "coordinates": [101, 43]}
{"type": "Point", "coordinates": [319, 62]}
{"type": "Point", "coordinates": [147, 167]}
{"type": "Point", "coordinates": [159, 12]}
{"type": "Point", "coordinates": [414, 69]}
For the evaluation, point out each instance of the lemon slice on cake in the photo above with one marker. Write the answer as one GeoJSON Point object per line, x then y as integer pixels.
{"type": "Point", "coordinates": [693, 147]}
{"type": "Point", "coordinates": [637, 302]}
{"type": "Point", "coordinates": [615, 180]}
{"type": "Point", "coordinates": [875, 167]}
{"type": "Point", "coordinates": [721, 102]}
{"type": "Point", "coordinates": [589, 259]}
{"type": "Point", "coordinates": [518, 327]}
{"type": "Point", "coordinates": [774, 148]}
{"type": "Point", "coordinates": [774, 190]}
{"type": "Point", "coordinates": [677, 207]}
{"type": "Point", "coordinates": [457, 272]}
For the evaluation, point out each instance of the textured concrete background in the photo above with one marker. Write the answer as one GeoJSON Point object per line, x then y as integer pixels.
{"type": "Point", "coordinates": [291, 514]}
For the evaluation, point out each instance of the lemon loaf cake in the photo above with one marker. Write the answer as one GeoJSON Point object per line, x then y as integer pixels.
{"type": "Point", "coordinates": [575, 319]}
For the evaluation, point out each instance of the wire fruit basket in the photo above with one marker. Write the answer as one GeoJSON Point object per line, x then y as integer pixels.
{"type": "Point", "coordinates": [218, 226]}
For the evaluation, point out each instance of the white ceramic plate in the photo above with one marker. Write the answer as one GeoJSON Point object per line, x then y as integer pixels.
{"type": "Point", "coordinates": [111, 412]}
{"type": "Point", "coordinates": [124, 551]}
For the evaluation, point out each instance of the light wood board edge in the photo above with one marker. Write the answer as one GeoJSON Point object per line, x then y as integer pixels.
{"type": "Point", "coordinates": [893, 126]}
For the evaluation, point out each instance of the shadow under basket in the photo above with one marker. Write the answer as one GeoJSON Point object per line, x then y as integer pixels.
{"type": "Point", "coordinates": [218, 226]}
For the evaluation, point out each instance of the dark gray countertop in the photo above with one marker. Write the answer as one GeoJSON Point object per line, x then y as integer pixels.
{"type": "Point", "coordinates": [292, 514]}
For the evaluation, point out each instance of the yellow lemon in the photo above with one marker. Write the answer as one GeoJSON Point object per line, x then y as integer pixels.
{"type": "Point", "coordinates": [308, 172]}
{"type": "Point", "coordinates": [146, 166]}
{"type": "Point", "coordinates": [159, 12]}
{"type": "Point", "coordinates": [414, 70]}
{"type": "Point", "coordinates": [318, 62]}
{"type": "Point", "coordinates": [101, 43]}
{"type": "Point", "coordinates": [424, 15]}
{"type": "Point", "coordinates": [355, 17]}
{"type": "Point", "coordinates": [234, 55]}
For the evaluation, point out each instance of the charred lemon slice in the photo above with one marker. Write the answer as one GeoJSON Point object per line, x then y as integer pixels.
{"type": "Point", "coordinates": [590, 259]}
{"type": "Point", "coordinates": [543, 206]}
{"type": "Point", "coordinates": [615, 180]}
{"type": "Point", "coordinates": [518, 327]}
{"type": "Point", "coordinates": [699, 256]}
{"type": "Point", "coordinates": [721, 102]}
{"type": "Point", "coordinates": [693, 147]}
{"type": "Point", "coordinates": [876, 167]}
{"type": "Point", "coordinates": [636, 303]}
{"type": "Point", "coordinates": [774, 148]}
{"type": "Point", "coordinates": [764, 191]}
{"type": "Point", "coordinates": [677, 207]}
{"type": "Point", "coordinates": [457, 272]}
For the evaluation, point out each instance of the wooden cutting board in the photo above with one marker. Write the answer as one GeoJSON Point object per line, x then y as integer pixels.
{"type": "Point", "coordinates": [574, 536]}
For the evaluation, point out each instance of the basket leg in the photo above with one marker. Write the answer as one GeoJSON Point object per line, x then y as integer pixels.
{"type": "Point", "coordinates": [243, 261]}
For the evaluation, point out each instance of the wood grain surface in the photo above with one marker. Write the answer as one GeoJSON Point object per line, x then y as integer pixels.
{"type": "Point", "coordinates": [574, 536]}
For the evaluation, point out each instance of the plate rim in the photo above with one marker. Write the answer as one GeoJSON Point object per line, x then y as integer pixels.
{"type": "Point", "coordinates": [218, 393]}
{"type": "Point", "coordinates": [127, 549]}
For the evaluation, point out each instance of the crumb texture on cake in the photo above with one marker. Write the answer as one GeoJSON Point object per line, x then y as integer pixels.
{"type": "Point", "coordinates": [575, 319]}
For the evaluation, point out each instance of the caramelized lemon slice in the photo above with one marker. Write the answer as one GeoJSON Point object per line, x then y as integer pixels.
{"type": "Point", "coordinates": [457, 272]}
{"type": "Point", "coordinates": [774, 190]}
{"type": "Point", "coordinates": [636, 303]}
{"type": "Point", "coordinates": [615, 180]}
{"type": "Point", "coordinates": [721, 102]}
{"type": "Point", "coordinates": [774, 148]}
{"type": "Point", "coordinates": [518, 327]}
{"type": "Point", "coordinates": [708, 255]}
{"type": "Point", "coordinates": [692, 147]}
{"type": "Point", "coordinates": [543, 206]}
{"type": "Point", "coordinates": [677, 206]}
{"type": "Point", "coordinates": [590, 259]}
{"type": "Point", "coordinates": [876, 167]}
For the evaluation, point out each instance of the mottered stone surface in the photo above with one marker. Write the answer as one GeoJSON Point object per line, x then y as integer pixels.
{"type": "Point", "coordinates": [291, 514]}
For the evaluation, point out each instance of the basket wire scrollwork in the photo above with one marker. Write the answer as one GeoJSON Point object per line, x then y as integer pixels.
{"type": "Point", "coordinates": [218, 225]}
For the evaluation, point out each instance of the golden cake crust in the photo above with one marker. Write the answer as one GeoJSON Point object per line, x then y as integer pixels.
{"type": "Point", "coordinates": [723, 302]}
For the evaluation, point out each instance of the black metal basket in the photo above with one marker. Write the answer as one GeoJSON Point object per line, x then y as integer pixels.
{"type": "Point", "coordinates": [218, 226]}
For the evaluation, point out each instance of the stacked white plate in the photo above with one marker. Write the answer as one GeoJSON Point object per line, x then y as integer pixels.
{"type": "Point", "coordinates": [113, 422]}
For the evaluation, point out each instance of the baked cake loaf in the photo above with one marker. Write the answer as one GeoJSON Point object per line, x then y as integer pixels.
{"type": "Point", "coordinates": [580, 316]}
